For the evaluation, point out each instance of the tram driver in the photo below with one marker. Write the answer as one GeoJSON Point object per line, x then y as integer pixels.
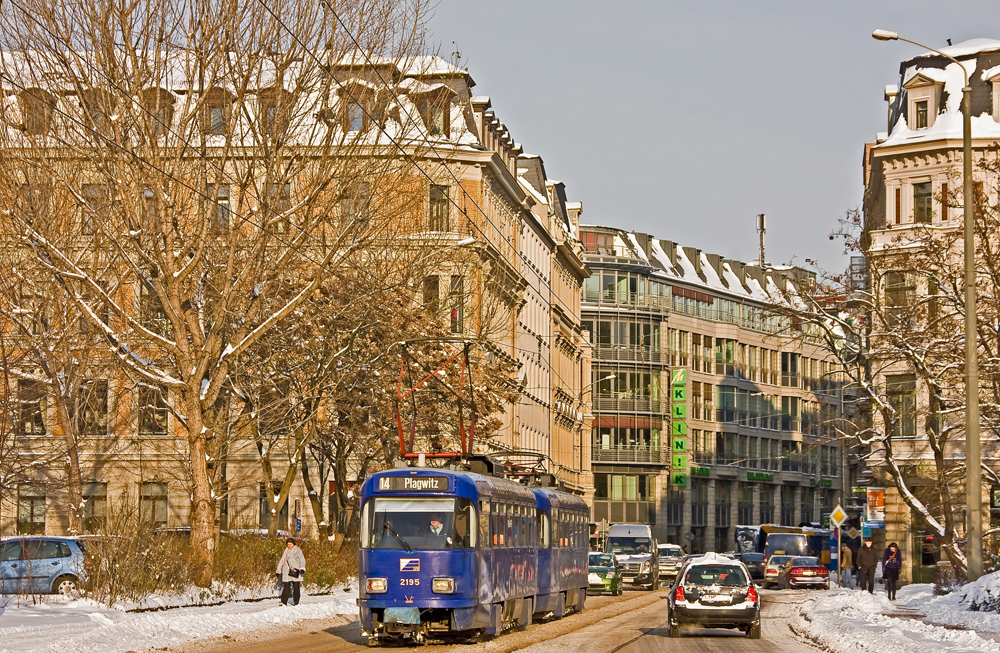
{"type": "Point", "coordinates": [436, 525]}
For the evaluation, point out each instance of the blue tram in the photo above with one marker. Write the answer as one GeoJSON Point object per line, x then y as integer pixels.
{"type": "Point", "coordinates": [451, 553]}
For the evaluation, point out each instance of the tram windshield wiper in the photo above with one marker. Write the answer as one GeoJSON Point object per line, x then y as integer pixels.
{"type": "Point", "coordinates": [399, 538]}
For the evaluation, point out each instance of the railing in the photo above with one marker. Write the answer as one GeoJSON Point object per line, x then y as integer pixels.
{"type": "Point", "coordinates": [609, 297]}
{"type": "Point", "coordinates": [640, 354]}
{"type": "Point", "coordinates": [629, 454]}
{"type": "Point", "coordinates": [605, 403]}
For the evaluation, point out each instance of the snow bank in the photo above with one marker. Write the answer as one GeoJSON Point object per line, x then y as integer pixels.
{"type": "Point", "coordinates": [84, 626]}
{"type": "Point", "coordinates": [983, 594]}
{"type": "Point", "coordinates": [851, 621]}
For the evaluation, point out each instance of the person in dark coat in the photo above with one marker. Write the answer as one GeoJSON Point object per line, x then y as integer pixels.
{"type": "Point", "coordinates": [892, 563]}
{"type": "Point", "coordinates": [867, 560]}
{"type": "Point", "coordinates": [291, 567]}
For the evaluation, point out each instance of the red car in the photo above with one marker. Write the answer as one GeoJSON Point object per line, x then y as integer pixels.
{"type": "Point", "coordinates": [803, 571]}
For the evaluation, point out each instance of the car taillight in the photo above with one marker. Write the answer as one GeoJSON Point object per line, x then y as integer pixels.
{"type": "Point", "coordinates": [796, 570]}
{"type": "Point", "coordinates": [679, 594]}
{"type": "Point", "coordinates": [752, 594]}
{"type": "Point", "coordinates": [824, 572]}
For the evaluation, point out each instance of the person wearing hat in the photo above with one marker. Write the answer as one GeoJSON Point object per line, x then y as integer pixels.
{"type": "Point", "coordinates": [867, 562]}
{"type": "Point", "coordinates": [436, 525]}
{"type": "Point", "coordinates": [892, 563]}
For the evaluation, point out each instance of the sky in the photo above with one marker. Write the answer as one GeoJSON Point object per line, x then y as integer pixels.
{"type": "Point", "coordinates": [687, 119]}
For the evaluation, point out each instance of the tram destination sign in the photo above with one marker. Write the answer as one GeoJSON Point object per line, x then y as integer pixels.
{"type": "Point", "coordinates": [413, 484]}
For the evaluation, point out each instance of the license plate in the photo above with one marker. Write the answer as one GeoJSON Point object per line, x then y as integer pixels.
{"type": "Point", "coordinates": [595, 579]}
{"type": "Point", "coordinates": [808, 573]}
{"type": "Point", "coordinates": [715, 599]}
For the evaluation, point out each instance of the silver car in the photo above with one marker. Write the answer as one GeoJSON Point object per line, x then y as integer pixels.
{"type": "Point", "coordinates": [772, 570]}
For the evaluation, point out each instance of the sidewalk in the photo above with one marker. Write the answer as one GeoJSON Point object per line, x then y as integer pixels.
{"type": "Point", "coordinates": [852, 621]}
{"type": "Point", "coordinates": [59, 625]}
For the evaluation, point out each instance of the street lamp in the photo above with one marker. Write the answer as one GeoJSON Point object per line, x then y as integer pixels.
{"type": "Point", "coordinates": [973, 457]}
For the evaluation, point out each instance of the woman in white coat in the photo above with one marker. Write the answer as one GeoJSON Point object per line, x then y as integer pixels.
{"type": "Point", "coordinates": [291, 568]}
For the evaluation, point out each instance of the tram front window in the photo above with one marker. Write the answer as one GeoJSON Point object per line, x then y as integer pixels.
{"type": "Point", "coordinates": [418, 523]}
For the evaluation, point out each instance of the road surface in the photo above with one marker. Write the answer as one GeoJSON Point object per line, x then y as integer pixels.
{"type": "Point", "coordinates": [633, 623]}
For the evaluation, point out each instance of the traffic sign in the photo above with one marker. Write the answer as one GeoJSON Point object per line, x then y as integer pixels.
{"type": "Point", "coordinates": [838, 516]}
{"type": "Point", "coordinates": [853, 533]}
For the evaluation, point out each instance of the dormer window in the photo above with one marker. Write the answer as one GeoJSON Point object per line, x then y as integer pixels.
{"type": "Point", "coordinates": [355, 118]}
{"type": "Point", "coordinates": [158, 104]}
{"type": "Point", "coordinates": [37, 106]}
{"type": "Point", "coordinates": [216, 111]}
{"type": "Point", "coordinates": [275, 106]}
{"type": "Point", "coordinates": [923, 91]}
{"type": "Point", "coordinates": [993, 76]}
{"type": "Point", "coordinates": [920, 119]}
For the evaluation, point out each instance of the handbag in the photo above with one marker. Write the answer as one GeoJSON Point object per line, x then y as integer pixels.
{"type": "Point", "coordinates": [294, 573]}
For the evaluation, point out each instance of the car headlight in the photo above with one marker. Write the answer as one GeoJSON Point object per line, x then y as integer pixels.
{"type": "Point", "coordinates": [443, 585]}
{"type": "Point", "coordinates": [377, 585]}
{"type": "Point", "coordinates": [645, 566]}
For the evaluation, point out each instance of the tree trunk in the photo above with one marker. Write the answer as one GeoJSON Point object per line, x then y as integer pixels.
{"type": "Point", "coordinates": [74, 481]}
{"type": "Point", "coordinates": [314, 499]}
{"type": "Point", "coordinates": [203, 502]}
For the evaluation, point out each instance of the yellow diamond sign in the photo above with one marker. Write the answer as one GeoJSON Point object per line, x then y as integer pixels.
{"type": "Point", "coordinates": [838, 516]}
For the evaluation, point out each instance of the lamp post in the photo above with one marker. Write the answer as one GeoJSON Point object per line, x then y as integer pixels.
{"type": "Point", "coordinates": [973, 457]}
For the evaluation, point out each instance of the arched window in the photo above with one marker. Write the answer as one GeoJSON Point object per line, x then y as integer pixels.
{"type": "Point", "coordinates": [158, 105]}
{"type": "Point", "coordinates": [216, 111]}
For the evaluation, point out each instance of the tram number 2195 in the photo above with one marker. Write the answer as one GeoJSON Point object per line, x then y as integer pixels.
{"type": "Point", "coordinates": [409, 581]}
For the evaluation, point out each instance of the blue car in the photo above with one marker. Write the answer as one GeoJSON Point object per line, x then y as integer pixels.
{"type": "Point", "coordinates": [42, 565]}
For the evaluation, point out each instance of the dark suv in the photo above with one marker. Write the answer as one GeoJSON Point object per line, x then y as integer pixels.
{"type": "Point", "coordinates": [714, 591]}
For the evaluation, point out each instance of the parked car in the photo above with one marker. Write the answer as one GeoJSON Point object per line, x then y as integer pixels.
{"type": "Point", "coordinates": [714, 591]}
{"type": "Point", "coordinates": [773, 569]}
{"type": "Point", "coordinates": [754, 563]}
{"type": "Point", "coordinates": [604, 574]}
{"type": "Point", "coordinates": [635, 548]}
{"type": "Point", "coordinates": [804, 571]}
{"type": "Point", "coordinates": [670, 556]}
{"type": "Point", "coordinates": [42, 564]}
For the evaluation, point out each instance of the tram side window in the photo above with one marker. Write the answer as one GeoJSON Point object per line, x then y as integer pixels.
{"type": "Point", "coordinates": [543, 529]}
{"type": "Point", "coordinates": [511, 540]}
{"type": "Point", "coordinates": [465, 524]}
{"type": "Point", "coordinates": [495, 521]}
{"type": "Point", "coordinates": [484, 522]}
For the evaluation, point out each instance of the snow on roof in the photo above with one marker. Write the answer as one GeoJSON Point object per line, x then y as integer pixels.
{"type": "Point", "coordinates": [635, 245]}
{"type": "Point", "coordinates": [933, 74]}
{"type": "Point", "coordinates": [433, 65]}
{"type": "Point", "coordinates": [948, 124]}
{"type": "Point", "coordinates": [965, 48]}
{"type": "Point", "coordinates": [990, 73]}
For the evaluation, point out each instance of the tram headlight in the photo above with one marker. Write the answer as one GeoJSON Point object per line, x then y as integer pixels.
{"type": "Point", "coordinates": [443, 585]}
{"type": "Point", "coordinates": [377, 585]}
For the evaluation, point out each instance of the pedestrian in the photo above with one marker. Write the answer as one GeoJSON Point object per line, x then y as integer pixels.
{"type": "Point", "coordinates": [846, 567]}
{"type": "Point", "coordinates": [290, 570]}
{"type": "Point", "coordinates": [892, 562]}
{"type": "Point", "coordinates": [867, 562]}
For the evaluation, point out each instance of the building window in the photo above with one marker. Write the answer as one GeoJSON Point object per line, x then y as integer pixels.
{"type": "Point", "coordinates": [95, 506]}
{"type": "Point", "coordinates": [98, 106]}
{"type": "Point", "coordinates": [920, 114]}
{"type": "Point", "coordinates": [457, 301]}
{"type": "Point", "coordinates": [438, 208]}
{"type": "Point", "coordinates": [922, 203]}
{"type": "Point", "coordinates": [900, 291]}
{"type": "Point", "coordinates": [901, 393]}
{"type": "Point", "coordinates": [355, 203]}
{"type": "Point", "coordinates": [152, 411]}
{"type": "Point", "coordinates": [266, 509]}
{"type": "Point", "coordinates": [151, 312]}
{"type": "Point", "coordinates": [95, 197]}
{"type": "Point", "coordinates": [279, 202]}
{"type": "Point", "coordinates": [153, 504]}
{"type": "Point", "coordinates": [37, 107]}
{"type": "Point", "coordinates": [158, 105]}
{"type": "Point", "coordinates": [31, 407]}
{"type": "Point", "coordinates": [432, 294]}
{"type": "Point", "coordinates": [92, 408]}
{"type": "Point", "coordinates": [274, 107]}
{"type": "Point", "coordinates": [30, 510]}
{"type": "Point", "coordinates": [216, 112]}
{"type": "Point", "coordinates": [220, 209]}
{"type": "Point", "coordinates": [354, 116]}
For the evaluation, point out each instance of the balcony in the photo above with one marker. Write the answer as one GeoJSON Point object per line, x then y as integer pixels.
{"type": "Point", "coordinates": [628, 404]}
{"type": "Point", "coordinates": [626, 299]}
{"type": "Point", "coordinates": [631, 354]}
{"type": "Point", "coordinates": [649, 455]}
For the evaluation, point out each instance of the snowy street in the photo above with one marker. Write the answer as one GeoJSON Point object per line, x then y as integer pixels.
{"type": "Point", "coordinates": [839, 621]}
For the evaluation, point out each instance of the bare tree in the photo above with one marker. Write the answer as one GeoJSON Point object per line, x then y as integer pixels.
{"type": "Point", "coordinates": [213, 153]}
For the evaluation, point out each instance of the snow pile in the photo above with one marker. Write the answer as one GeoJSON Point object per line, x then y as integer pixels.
{"type": "Point", "coordinates": [983, 595]}
{"type": "Point", "coordinates": [84, 626]}
{"type": "Point", "coordinates": [851, 621]}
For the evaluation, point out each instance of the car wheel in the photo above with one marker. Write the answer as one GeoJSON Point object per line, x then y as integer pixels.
{"type": "Point", "coordinates": [753, 632]}
{"type": "Point", "coordinates": [66, 586]}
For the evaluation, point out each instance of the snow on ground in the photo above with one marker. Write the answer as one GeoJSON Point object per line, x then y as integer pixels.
{"type": "Point", "coordinates": [852, 621]}
{"type": "Point", "coordinates": [59, 625]}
